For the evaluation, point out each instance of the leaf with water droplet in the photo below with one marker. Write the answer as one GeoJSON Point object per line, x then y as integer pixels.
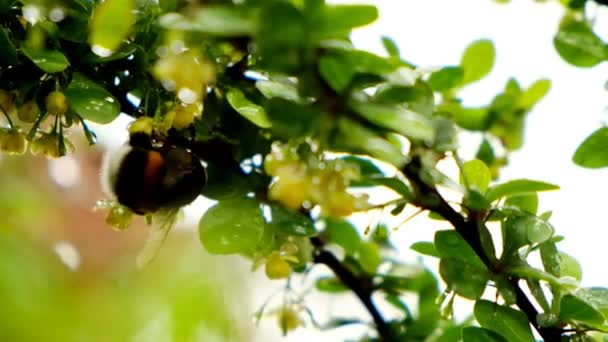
{"type": "Point", "coordinates": [91, 101]}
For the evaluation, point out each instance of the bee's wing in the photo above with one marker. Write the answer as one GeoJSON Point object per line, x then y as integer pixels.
{"type": "Point", "coordinates": [156, 237]}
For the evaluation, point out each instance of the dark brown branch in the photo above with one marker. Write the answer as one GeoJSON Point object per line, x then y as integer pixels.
{"type": "Point", "coordinates": [362, 286]}
{"type": "Point", "coordinates": [427, 197]}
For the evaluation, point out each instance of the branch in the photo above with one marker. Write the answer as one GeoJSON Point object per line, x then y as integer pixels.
{"type": "Point", "coordinates": [427, 197]}
{"type": "Point", "coordinates": [361, 285]}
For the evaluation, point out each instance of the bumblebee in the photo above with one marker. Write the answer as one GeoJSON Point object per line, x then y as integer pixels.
{"type": "Point", "coordinates": [154, 179]}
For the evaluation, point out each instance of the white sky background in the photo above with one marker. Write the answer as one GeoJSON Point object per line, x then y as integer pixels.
{"type": "Point", "coordinates": [435, 33]}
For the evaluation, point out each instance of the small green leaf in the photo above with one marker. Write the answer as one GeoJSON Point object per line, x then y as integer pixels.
{"type": "Point", "coordinates": [477, 60]}
{"type": "Point", "coordinates": [249, 110]}
{"type": "Point", "coordinates": [539, 231]}
{"type": "Point", "coordinates": [110, 25]}
{"type": "Point", "coordinates": [476, 334]}
{"type": "Point", "coordinates": [232, 226]}
{"type": "Point", "coordinates": [578, 45]}
{"type": "Point", "coordinates": [411, 124]}
{"type": "Point", "coordinates": [367, 167]}
{"type": "Point", "coordinates": [343, 234]}
{"type": "Point", "coordinates": [512, 324]}
{"type": "Point", "coordinates": [518, 187]}
{"type": "Point", "coordinates": [369, 256]}
{"type": "Point", "coordinates": [291, 120]}
{"type": "Point", "coordinates": [425, 248]}
{"type": "Point", "coordinates": [595, 296]}
{"type": "Point", "coordinates": [338, 20]}
{"type": "Point", "coordinates": [395, 184]}
{"type": "Point", "coordinates": [91, 101]}
{"type": "Point", "coordinates": [391, 47]}
{"type": "Point", "coordinates": [570, 267]}
{"type": "Point", "coordinates": [282, 90]}
{"type": "Point", "coordinates": [476, 175]}
{"type": "Point", "coordinates": [576, 309]}
{"type": "Point", "coordinates": [450, 244]}
{"type": "Point", "coordinates": [446, 78]}
{"type": "Point", "coordinates": [527, 203]}
{"type": "Point", "coordinates": [335, 72]}
{"type": "Point", "coordinates": [330, 285]}
{"type": "Point", "coordinates": [593, 152]}
{"type": "Point", "coordinates": [50, 61]}
{"type": "Point", "coordinates": [290, 222]}
{"type": "Point", "coordinates": [224, 21]}
{"type": "Point", "coordinates": [550, 258]}
{"type": "Point", "coordinates": [534, 93]}
{"type": "Point", "coordinates": [467, 280]}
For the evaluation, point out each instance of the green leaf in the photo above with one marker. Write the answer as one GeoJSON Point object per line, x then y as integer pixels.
{"type": "Point", "coordinates": [576, 309]}
{"type": "Point", "coordinates": [282, 90]}
{"type": "Point", "coordinates": [339, 67]}
{"type": "Point", "coordinates": [401, 120]}
{"type": "Point", "coordinates": [249, 110]}
{"type": "Point", "coordinates": [477, 60]}
{"type": "Point", "coordinates": [509, 323]}
{"type": "Point", "coordinates": [335, 72]}
{"type": "Point", "coordinates": [570, 267]}
{"type": "Point", "coordinates": [290, 222]}
{"type": "Point", "coordinates": [527, 203]}
{"type": "Point", "coordinates": [391, 47]}
{"type": "Point", "coordinates": [446, 78]}
{"type": "Point", "coordinates": [550, 258]}
{"type": "Point", "coordinates": [593, 152]}
{"type": "Point", "coordinates": [578, 45]}
{"type": "Point", "coordinates": [395, 184]}
{"type": "Point", "coordinates": [110, 25]}
{"type": "Point", "coordinates": [232, 226]}
{"type": "Point", "coordinates": [356, 138]}
{"type": "Point", "coordinates": [534, 93]}
{"type": "Point", "coordinates": [476, 334]}
{"type": "Point", "coordinates": [8, 53]}
{"type": "Point", "coordinates": [466, 279]}
{"type": "Point", "coordinates": [330, 285]}
{"type": "Point", "coordinates": [418, 98]}
{"type": "Point", "coordinates": [224, 21]}
{"type": "Point", "coordinates": [476, 175]}
{"type": "Point", "coordinates": [425, 248]}
{"type": "Point", "coordinates": [595, 296]}
{"type": "Point", "coordinates": [367, 167]}
{"type": "Point", "coordinates": [343, 234]}
{"type": "Point", "coordinates": [517, 187]}
{"type": "Point", "coordinates": [450, 244]}
{"type": "Point", "coordinates": [338, 20]}
{"type": "Point", "coordinates": [91, 101]}
{"type": "Point", "coordinates": [368, 255]}
{"type": "Point", "coordinates": [539, 231]}
{"type": "Point", "coordinates": [291, 120]}
{"type": "Point", "coordinates": [50, 61]}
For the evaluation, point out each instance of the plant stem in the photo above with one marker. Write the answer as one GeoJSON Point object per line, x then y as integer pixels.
{"type": "Point", "coordinates": [361, 285]}
{"type": "Point", "coordinates": [427, 197]}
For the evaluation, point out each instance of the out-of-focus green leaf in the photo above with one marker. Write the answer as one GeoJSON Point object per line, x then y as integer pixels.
{"type": "Point", "coordinates": [505, 321]}
{"type": "Point", "coordinates": [425, 248]}
{"type": "Point", "coordinates": [576, 309]}
{"type": "Point", "coordinates": [527, 203]}
{"type": "Point", "coordinates": [446, 78]}
{"type": "Point", "coordinates": [357, 138]}
{"type": "Point", "coordinates": [50, 61]}
{"type": "Point", "coordinates": [550, 258]}
{"type": "Point", "coordinates": [593, 152]}
{"type": "Point", "coordinates": [391, 47]}
{"type": "Point", "coordinates": [91, 101]}
{"type": "Point", "coordinates": [225, 21]}
{"type": "Point", "coordinates": [475, 119]}
{"type": "Point", "coordinates": [476, 334]}
{"type": "Point", "coordinates": [595, 296]}
{"type": "Point", "coordinates": [476, 175]}
{"type": "Point", "coordinates": [291, 120]}
{"type": "Point", "coordinates": [249, 110]}
{"type": "Point", "coordinates": [110, 25]}
{"type": "Point", "coordinates": [406, 122]}
{"type": "Point", "coordinates": [343, 234]}
{"type": "Point", "coordinates": [290, 222]}
{"type": "Point", "coordinates": [517, 187]}
{"type": "Point", "coordinates": [367, 167]}
{"type": "Point", "coordinates": [282, 90]}
{"type": "Point", "coordinates": [477, 60]}
{"type": "Point", "coordinates": [418, 97]}
{"type": "Point", "coordinates": [232, 226]}
{"type": "Point", "coordinates": [578, 45]}
{"type": "Point", "coordinates": [330, 285]}
{"type": "Point", "coordinates": [368, 255]}
{"type": "Point", "coordinates": [534, 93]}
{"type": "Point", "coordinates": [8, 53]}
{"type": "Point", "coordinates": [466, 279]}
{"type": "Point", "coordinates": [570, 267]}
{"type": "Point", "coordinates": [338, 20]}
{"type": "Point", "coordinates": [339, 67]}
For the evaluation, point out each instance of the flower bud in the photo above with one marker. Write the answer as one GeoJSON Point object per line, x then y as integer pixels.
{"type": "Point", "coordinates": [12, 142]}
